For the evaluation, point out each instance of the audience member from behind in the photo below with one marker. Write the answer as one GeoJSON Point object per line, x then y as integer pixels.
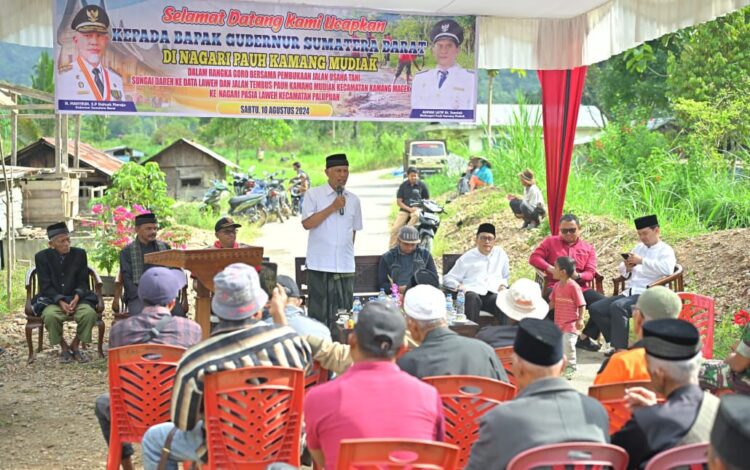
{"type": "Point", "coordinates": [529, 207]}
{"type": "Point", "coordinates": [63, 281]}
{"type": "Point", "coordinates": [567, 299]}
{"type": "Point", "coordinates": [374, 398]}
{"type": "Point", "coordinates": [732, 373]}
{"type": "Point", "coordinates": [522, 300]}
{"type": "Point", "coordinates": [240, 339]}
{"type": "Point", "coordinates": [547, 409]}
{"type": "Point", "coordinates": [295, 313]}
{"type": "Point", "coordinates": [158, 288]}
{"type": "Point", "coordinates": [443, 351]}
{"type": "Point", "coordinates": [481, 272]}
{"type": "Point", "coordinates": [630, 365]}
{"type": "Point", "coordinates": [730, 436]}
{"type": "Point", "coordinates": [673, 356]}
{"type": "Point", "coordinates": [398, 265]}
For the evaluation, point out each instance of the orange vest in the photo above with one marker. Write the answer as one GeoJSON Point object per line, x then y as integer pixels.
{"type": "Point", "coordinates": [624, 366]}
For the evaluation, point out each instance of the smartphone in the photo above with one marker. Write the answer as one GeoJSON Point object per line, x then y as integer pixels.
{"type": "Point", "coordinates": [625, 256]}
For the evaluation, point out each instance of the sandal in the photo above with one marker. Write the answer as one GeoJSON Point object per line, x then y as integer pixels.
{"type": "Point", "coordinates": [66, 357]}
{"type": "Point", "coordinates": [80, 356]}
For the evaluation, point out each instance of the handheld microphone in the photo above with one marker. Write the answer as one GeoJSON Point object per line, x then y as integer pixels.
{"type": "Point", "coordinates": [340, 191]}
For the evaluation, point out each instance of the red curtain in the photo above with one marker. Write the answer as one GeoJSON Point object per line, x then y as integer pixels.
{"type": "Point", "coordinates": [561, 99]}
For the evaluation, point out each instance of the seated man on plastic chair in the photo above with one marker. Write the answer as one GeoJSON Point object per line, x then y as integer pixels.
{"type": "Point", "coordinates": [158, 288]}
{"type": "Point", "coordinates": [239, 339]}
{"type": "Point", "coordinates": [732, 373]}
{"type": "Point", "coordinates": [63, 275]}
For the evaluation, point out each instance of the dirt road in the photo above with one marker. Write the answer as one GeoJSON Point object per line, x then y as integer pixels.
{"type": "Point", "coordinates": [283, 242]}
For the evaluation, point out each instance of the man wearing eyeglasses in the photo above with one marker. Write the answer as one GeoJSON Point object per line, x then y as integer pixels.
{"type": "Point", "coordinates": [448, 85]}
{"type": "Point", "coordinates": [226, 234]}
{"type": "Point", "coordinates": [569, 243]}
{"type": "Point", "coordinates": [481, 272]}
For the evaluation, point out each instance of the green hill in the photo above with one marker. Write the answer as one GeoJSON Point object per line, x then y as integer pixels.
{"type": "Point", "coordinates": [18, 62]}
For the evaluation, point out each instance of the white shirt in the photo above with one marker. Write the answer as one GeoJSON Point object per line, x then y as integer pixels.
{"type": "Point", "coordinates": [533, 195]}
{"type": "Point", "coordinates": [658, 261]}
{"type": "Point", "coordinates": [457, 91]}
{"type": "Point", "coordinates": [479, 273]}
{"type": "Point", "coordinates": [73, 84]}
{"type": "Point", "coordinates": [330, 245]}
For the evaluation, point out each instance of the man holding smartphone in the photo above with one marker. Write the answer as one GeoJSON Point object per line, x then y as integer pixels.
{"type": "Point", "coordinates": [650, 260]}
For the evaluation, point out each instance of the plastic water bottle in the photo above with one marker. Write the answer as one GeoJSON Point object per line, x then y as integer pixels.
{"type": "Point", "coordinates": [460, 305]}
{"type": "Point", "coordinates": [449, 308]}
{"type": "Point", "coordinates": [356, 308]}
{"type": "Point", "coordinates": [381, 296]}
{"type": "Point", "coordinates": [395, 297]}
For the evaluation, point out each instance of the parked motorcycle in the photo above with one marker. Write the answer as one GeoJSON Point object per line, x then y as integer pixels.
{"type": "Point", "coordinates": [428, 223]}
{"type": "Point", "coordinates": [212, 197]}
{"type": "Point", "coordinates": [275, 196]}
{"type": "Point", "coordinates": [250, 206]}
{"type": "Point", "coordinates": [295, 189]}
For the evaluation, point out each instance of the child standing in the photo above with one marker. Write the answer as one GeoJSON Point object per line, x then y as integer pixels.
{"type": "Point", "coordinates": [567, 300]}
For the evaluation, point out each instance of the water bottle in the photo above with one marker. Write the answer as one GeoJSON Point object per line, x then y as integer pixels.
{"type": "Point", "coordinates": [460, 305]}
{"type": "Point", "coordinates": [381, 296]}
{"type": "Point", "coordinates": [395, 297]}
{"type": "Point", "coordinates": [449, 308]}
{"type": "Point", "coordinates": [356, 308]}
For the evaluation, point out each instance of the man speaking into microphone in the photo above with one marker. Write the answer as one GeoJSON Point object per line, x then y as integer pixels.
{"type": "Point", "coordinates": [333, 215]}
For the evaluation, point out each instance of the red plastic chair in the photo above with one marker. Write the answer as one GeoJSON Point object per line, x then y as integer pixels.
{"type": "Point", "coordinates": [392, 454]}
{"type": "Point", "coordinates": [140, 392]}
{"type": "Point", "coordinates": [465, 400]}
{"type": "Point", "coordinates": [253, 417]}
{"type": "Point", "coordinates": [612, 397]}
{"type": "Point", "coordinates": [504, 355]}
{"type": "Point", "coordinates": [699, 310]}
{"type": "Point", "coordinates": [316, 377]}
{"type": "Point", "coordinates": [579, 455]}
{"type": "Point", "coordinates": [692, 456]}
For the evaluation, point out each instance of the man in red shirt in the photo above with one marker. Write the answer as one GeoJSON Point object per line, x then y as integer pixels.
{"type": "Point", "coordinates": [569, 243]}
{"type": "Point", "coordinates": [374, 398]}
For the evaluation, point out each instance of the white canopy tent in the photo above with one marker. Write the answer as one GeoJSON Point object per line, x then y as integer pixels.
{"type": "Point", "coordinates": [529, 34]}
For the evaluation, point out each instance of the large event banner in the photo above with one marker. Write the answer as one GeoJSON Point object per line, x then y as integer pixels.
{"type": "Point", "coordinates": [268, 60]}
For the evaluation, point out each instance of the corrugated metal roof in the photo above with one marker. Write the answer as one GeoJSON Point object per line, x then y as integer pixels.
{"type": "Point", "coordinates": [97, 159]}
{"type": "Point", "coordinates": [198, 146]}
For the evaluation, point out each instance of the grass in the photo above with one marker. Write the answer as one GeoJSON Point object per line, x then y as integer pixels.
{"type": "Point", "coordinates": [17, 292]}
{"type": "Point", "coordinates": [188, 213]}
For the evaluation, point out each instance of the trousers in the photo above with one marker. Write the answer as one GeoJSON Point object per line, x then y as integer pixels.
{"type": "Point", "coordinates": [103, 415]}
{"type": "Point", "coordinates": [184, 446]}
{"type": "Point", "coordinates": [523, 208]}
{"type": "Point", "coordinates": [475, 303]}
{"type": "Point", "coordinates": [612, 315]}
{"type": "Point", "coordinates": [53, 318]}
{"type": "Point", "coordinates": [402, 218]}
{"type": "Point", "coordinates": [328, 292]}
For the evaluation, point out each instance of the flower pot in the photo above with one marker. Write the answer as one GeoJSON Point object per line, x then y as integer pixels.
{"type": "Point", "coordinates": [108, 286]}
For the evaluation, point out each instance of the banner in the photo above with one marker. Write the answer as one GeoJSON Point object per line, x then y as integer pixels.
{"type": "Point", "coordinates": [261, 60]}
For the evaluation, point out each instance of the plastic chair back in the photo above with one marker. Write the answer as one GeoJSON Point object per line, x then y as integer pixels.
{"type": "Point", "coordinates": [504, 355]}
{"type": "Point", "coordinates": [612, 397]}
{"type": "Point", "coordinates": [578, 455]}
{"type": "Point", "coordinates": [253, 417]}
{"type": "Point", "coordinates": [692, 456]}
{"type": "Point", "coordinates": [316, 377]}
{"type": "Point", "coordinates": [699, 310]}
{"type": "Point", "coordinates": [393, 454]}
{"type": "Point", "coordinates": [465, 400]}
{"type": "Point", "coordinates": [140, 392]}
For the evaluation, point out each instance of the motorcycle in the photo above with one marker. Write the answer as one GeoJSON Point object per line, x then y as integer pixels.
{"type": "Point", "coordinates": [429, 221]}
{"type": "Point", "coordinates": [212, 197]}
{"type": "Point", "coordinates": [275, 196]}
{"type": "Point", "coordinates": [250, 206]}
{"type": "Point", "coordinates": [295, 185]}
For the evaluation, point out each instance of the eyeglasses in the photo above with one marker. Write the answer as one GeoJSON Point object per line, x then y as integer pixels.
{"type": "Point", "coordinates": [486, 239]}
{"type": "Point", "coordinates": [568, 231]}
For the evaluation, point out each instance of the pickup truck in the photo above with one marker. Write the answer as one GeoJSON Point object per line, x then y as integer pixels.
{"type": "Point", "coordinates": [427, 156]}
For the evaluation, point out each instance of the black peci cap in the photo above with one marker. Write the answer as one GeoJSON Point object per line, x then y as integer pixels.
{"type": "Point", "coordinates": [148, 218]}
{"type": "Point", "coordinates": [337, 159]}
{"type": "Point", "coordinates": [671, 339]}
{"type": "Point", "coordinates": [539, 342]}
{"type": "Point", "coordinates": [54, 230]}
{"type": "Point", "coordinates": [646, 221]}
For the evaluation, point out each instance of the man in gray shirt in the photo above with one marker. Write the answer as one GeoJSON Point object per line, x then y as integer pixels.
{"type": "Point", "coordinates": [547, 409]}
{"type": "Point", "coordinates": [442, 351]}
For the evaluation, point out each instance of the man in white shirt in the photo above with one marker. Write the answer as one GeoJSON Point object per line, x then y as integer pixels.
{"type": "Point", "coordinates": [86, 78]}
{"type": "Point", "coordinates": [448, 85]}
{"type": "Point", "coordinates": [650, 260]}
{"type": "Point", "coordinates": [481, 272]}
{"type": "Point", "coordinates": [333, 215]}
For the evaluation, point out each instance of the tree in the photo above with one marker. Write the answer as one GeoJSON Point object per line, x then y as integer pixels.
{"type": "Point", "coordinates": [43, 78]}
{"type": "Point", "coordinates": [243, 133]}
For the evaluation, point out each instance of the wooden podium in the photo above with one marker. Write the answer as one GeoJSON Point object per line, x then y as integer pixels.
{"type": "Point", "coordinates": [204, 265]}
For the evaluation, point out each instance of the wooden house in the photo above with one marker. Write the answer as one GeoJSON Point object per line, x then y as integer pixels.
{"type": "Point", "coordinates": [189, 168]}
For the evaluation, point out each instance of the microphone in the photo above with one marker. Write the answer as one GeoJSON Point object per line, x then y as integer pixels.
{"type": "Point", "coordinates": [340, 191]}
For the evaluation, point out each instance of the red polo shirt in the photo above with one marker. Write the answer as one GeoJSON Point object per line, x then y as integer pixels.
{"type": "Point", "coordinates": [371, 400]}
{"type": "Point", "coordinates": [553, 247]}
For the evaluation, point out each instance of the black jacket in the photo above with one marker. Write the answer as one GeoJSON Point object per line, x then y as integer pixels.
{"type": "Point", "coordinates": [62, 277]}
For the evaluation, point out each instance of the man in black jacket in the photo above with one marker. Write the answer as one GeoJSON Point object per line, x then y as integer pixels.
{"type": "Point", "coordinates": [63, 276]}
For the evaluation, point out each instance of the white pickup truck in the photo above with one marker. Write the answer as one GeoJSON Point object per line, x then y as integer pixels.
{"type": "Point", "coordinates": [427, 156]}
